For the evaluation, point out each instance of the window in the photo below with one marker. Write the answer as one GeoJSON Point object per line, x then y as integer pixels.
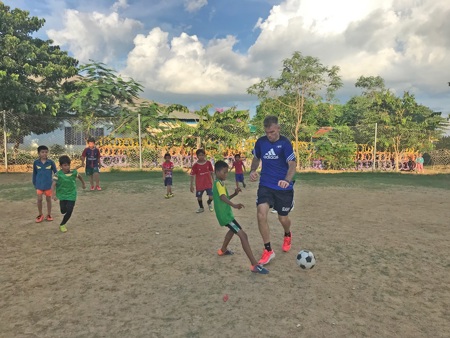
{"type": "Point", "coordinates": [74, 136]}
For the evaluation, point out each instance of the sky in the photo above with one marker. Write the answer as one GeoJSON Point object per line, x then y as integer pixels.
{"type": "Point", "coordinates": [199, 52]}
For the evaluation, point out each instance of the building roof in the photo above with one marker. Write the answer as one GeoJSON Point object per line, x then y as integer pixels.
{"type": "Point", "coordinates": [175, 115]}
{"type": "Point", "coordinates": [322, 131]}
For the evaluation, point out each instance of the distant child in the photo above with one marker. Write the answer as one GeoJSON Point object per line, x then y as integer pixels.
{"type": "Point", "coordinates": [419, 163]}
{"type": "Point", "coordinates": [239, 166]}
{"type": "Point", "coordinates": [92, 157]}
{"type": "Point", "coordinates": [224, 214]}
{"type": "Point", "coordinates": [64, 188]}
{"type": "Point", "coordinates": [43, 170]}
{"type": "Point", "coordinates": [202, 172]}
{"type": "Point", "coordinates": [167, 168]}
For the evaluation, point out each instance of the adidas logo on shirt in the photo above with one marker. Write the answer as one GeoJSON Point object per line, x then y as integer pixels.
{"type": "Point", "coordinates": [270, 155]}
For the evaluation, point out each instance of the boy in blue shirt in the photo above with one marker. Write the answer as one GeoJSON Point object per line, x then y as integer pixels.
{"type": "Point", "coordinates": [43, 170]}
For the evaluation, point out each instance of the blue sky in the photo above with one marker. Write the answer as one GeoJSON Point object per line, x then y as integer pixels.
{"type": "Point", "coordinates": [198, 52]}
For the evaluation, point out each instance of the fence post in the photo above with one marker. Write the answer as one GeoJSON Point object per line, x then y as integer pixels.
{"type": "Point", "coordinates": [5, 139]}
{"type": "Point", "coordinates": [140, 142]}
{"type": "Point", "coordinates": [375, 148]}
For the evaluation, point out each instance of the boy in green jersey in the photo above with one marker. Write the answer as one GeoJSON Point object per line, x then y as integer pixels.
{"type": "Point", "coordinates": [224, 214]}
{"type": "Point", "coordinates": [64, 188]}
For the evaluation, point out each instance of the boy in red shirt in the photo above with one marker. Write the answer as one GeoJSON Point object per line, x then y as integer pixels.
{"type": "Point", "coordinates": [239, 170]}
{"type": "Point", "coordinates": [167, 168]}
{"type": "Point", "coordinates": [202, 172]}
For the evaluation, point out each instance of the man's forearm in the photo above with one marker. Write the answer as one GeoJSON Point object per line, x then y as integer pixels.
{"type": "Point", "coordinates": [255, 164]}
{"type": "Point", "coordinates": [291, 171]}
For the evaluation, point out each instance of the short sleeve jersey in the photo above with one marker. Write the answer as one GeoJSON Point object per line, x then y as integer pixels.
{"type": "Point", "coordinates": [43, 173]}
{"type": "Point", "coordinates": [238, 165]}
{"type": "Point", "coordinates": [167, 167]}
{"type": "Point", "coordinates": [274, 157]}
{"type": "Point", "coordinates": [66, 186]}
{"type": "Point", "coordinates": [223, 211]}
{"type": "Point", "coordinates": [92, 157]}
{"type": "Point", "coordinates": [420, 160]}
{"type": "Point", "coordinates": [202, 173]}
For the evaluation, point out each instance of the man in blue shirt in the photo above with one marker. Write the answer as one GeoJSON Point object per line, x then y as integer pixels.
{"type": "Point", "coordinates": [276, 185]}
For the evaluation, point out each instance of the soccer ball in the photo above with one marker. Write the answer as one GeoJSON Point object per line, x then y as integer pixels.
{"type": "Point", "coordinates": [305, 259]}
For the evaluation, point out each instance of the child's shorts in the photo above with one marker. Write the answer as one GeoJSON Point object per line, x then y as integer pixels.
{"type": "Point", "coordinates": [234, 226]}
{"type": "Point", "coordinates": [91, 171]}
{"type": "Point", "coordinates": [47, 192]}
{"type": "Point", "coordinates": [167, 181]}
{"type": "Point", "coordinates": [239, 177]}
{"type": "Point", "coordinates": [199, 193]}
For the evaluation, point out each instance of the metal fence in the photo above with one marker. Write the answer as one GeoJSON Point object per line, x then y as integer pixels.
{"type": "Point", "coordinates": [141, 147]}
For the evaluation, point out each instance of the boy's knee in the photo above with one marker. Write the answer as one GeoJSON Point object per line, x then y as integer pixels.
{"type": "Point", "coordinates": [242, 234]}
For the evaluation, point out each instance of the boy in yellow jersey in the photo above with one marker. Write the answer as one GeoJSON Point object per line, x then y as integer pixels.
{"type": "Point", "coordinates": [224, 214]}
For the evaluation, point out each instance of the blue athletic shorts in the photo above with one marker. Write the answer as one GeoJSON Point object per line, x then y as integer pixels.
{"type": "Point", "coordinates": [281, 200]}
{"type": "Point", "coordinates": [167, 181]}
{"type": "Point", "coordinates": [200, 192]}
{"type": "Point", "coordinates": [239, 177]}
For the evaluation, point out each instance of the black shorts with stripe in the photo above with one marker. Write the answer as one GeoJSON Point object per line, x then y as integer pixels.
{"type": "Point", "coordinates": [234, 226]}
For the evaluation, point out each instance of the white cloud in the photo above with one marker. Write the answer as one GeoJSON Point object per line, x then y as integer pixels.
{"type": "Point", "coordinates": [403, 41]}
{"type": "Point", "coordinates": [194, 5]}
{"type": "Point", "coordinates": [184, 66]}
{"type": "Point", "coordinates": [119, 4]}
{"type": "Point", "coordinates": [95, 35]}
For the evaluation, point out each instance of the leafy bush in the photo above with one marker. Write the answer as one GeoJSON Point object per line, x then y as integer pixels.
{"type": "Point", "coordinates": [21, 157]}
{"type": "Point", "coordinates": [337, 148]}
{"type": "Point", "coordinates": [443, 143]}
{"type": "Point", "coordinates": [57, 150]}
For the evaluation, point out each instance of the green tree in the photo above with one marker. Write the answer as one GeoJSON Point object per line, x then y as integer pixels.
{"type": "Point", "coordinates": [223, 129]}
{"type": "Point", "coordinates": [32, 73]}
{"type": "Point", "coordinates": [100, 93]}
{"type": "Point", "coordinates": [337, 148]}
{"type": "Point", "coordinates": [402, 123]}
{"type": "Point", "coordinates": [302, 79]}
{"type": "Point", "coordinates": [355, 109]}
{"type": "Point", "coordinates": [128, 123]}
{"type": "Point", "coordinates": [443, 143]}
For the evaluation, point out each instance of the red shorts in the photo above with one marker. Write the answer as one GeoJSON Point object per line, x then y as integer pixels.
{"type": "Point", "coordinates": [47, 192]}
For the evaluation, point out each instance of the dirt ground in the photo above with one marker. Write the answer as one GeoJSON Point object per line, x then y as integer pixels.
{"type": "Point", "coordinates": [138, 265]}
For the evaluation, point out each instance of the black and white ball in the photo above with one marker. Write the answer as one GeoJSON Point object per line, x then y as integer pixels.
{"type": "Point", "coordinates": [306, 259]}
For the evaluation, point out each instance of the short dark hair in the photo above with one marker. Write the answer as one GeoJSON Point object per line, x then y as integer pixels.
{"type": "Point", "coordinates": [200, 151]}
{"type": "Point", "coordinates": [167, 154]}
{"type": "Point", "coordinates": [91, 139]}
{"type": "Point", "coordinates": [64, 160]}
{"type": "Point", "coordinates": [237, 155]}
{"type": "Point", "coordinates": [220, 165]}
{"type": "Point", "coordinates": [41, 148]}
{"type": "Point", "coordinates": [269, 120]}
